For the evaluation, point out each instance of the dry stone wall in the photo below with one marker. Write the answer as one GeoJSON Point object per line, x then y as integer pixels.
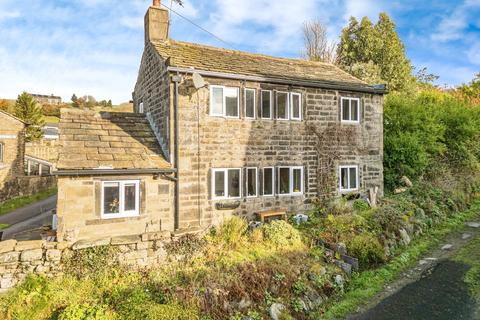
{"type": "Point", "coordinates": [19, 259]}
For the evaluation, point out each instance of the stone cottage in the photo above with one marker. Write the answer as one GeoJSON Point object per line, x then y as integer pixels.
{"type": "Point", "coordinates": [112, 177]}
{"type": "Point", "coordinates": [247, 132]}
{"type": "Point", "coordinates": [12, 150]}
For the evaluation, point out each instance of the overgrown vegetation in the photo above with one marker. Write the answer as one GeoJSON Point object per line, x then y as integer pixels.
{"type": "Point", "coordinates": [18, 202]}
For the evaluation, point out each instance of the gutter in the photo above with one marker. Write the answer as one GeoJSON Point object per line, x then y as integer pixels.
{"type": "Point", "coordinates": [106, 172]}
{"type": "Point", "coordinates": [176, 79]}
{"type": "Point", "coordinates": [377, 89]}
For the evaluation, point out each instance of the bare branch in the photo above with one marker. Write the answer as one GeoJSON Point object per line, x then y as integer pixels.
{"type": "Point", "coordinates": [317, 45]}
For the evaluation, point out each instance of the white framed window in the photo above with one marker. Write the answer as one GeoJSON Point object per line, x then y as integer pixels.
{"type": "Point", "coordinates": [250, 103]}
{"type": "Point", "coordinates": [295, 106]}
{"type": "Point", "coordinates": [226, 183]}
{"type": "Point", "coordinates": [348, 178]}
{"type": "Point", "coordinates": [350, 110]}
{"type": "Point", "coordinates": [2, 151]}
{"type": "Point", "coordinates": [252, 182]}
{"type": "Point", "coordinates": [120, 199]}
{"type": "Point", "coordinates": [290, 180]}
{"type": "Point", "coordinates": [224, 101]}
{"type": "Point", "coordinates": [140, 108]}
{"type": "Point", "coordinates": [267, 103]}
{"type": "Point", "coordinates": [268, 181]}
{"type": "Point", "coordinates": [283, 103]}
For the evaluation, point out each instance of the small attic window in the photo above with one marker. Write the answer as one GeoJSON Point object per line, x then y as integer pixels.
{"type": "Point", "coordinates": [224, 101]}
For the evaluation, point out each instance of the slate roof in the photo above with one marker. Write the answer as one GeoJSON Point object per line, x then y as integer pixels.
{"type": "Point", "coordinates": [107, 140]}
{"type": "Point", "coordinates": [201, 57]}
{"type": "Point", "coordinates": [12, 116]}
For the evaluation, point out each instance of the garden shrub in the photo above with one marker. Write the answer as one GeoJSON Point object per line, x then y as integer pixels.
{"type": "Point", "coordinates": [281, 234]}
{"type": "Point", "coordinates": [85, 311]}
{"type": "Point", "coordinates": [231, 233]}
{"type": "Point", "coordinates": [367, 249]}
{"type": "Point", "coordinates": [361, 205]}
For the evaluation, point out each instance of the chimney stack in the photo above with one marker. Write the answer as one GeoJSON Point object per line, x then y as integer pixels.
{"type": "Point", "coordinates": [156, 23]}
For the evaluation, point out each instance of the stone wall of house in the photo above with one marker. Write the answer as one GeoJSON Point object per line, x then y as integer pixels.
{"type": "Point", "coordinates": [19, 259]}
{"type": "Point", "coordinates": [79, 208]}
{"type": "Point", "coordinates": [320, 143]}
{"type": "Point", "coordinates": [43, 149]}
{"type": "Point", "coordinates": [12, 133]}
{"type": "Point", "coordinates": [153, 90]}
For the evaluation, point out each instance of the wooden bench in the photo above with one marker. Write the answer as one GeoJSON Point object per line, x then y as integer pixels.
{"type": "Point", "coordinates": [281, 213]}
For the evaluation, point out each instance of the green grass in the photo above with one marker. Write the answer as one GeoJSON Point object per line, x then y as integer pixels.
{"type": "Point", "coordinates": [470, 255]}
{"type": "Point", "coordinates": [365, 285]}
{"type": "Point", "coordinates": [19, 202]}
{"type": "Point", "coordinates": [51, 119]}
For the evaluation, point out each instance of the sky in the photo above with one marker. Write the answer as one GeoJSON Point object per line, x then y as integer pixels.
{"type": "Point", "coordinates": [94, 47]}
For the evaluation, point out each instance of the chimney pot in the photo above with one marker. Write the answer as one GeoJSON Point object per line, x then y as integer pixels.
{"type": "Point", "coordinates": [156, 3]}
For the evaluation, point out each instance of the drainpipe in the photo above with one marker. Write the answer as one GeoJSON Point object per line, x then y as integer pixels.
{"type": "Point", "coordinates": [176, 80]}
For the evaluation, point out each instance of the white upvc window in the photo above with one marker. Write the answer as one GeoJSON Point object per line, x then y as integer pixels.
{"type": "Point", "coordinates": [350, 110]}
{"type": "Point", "coordinates": [283, 105]}
{"type": "Point", "coordinates": [268, 181]}
{"type": "Point", "coordinates": [140, 108]}
{"type": "Point", "coordinates": [252, 182]}
{"type": "Point", "coordinates": [267, 103]}
{"type": "Point", "coordinates": [290, 180]}
{"type": "Point", "coordinates": [226, 183]}
{"type": "Point", "coordinates": [250, 103]}
{"type": "Point", "coordinates": [295, 106]}
{"type": "Point", "coordinates": [120, 199]}
{"type": "Point", "coordinates": [224, 102]}
{"type": "Point", "coordinates": [348, 178]}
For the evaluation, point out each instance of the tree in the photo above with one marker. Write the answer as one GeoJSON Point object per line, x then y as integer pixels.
{"type": "Point", "coordinates": [317, 46]}
{"type": "Point", "coordinates": [471, 91]}
{"type": "Point", "coordinates": [5, 106]}
{"type": "Point", "coordinates": [379, 44]}
{"type": "Point", "coordinates": [27, 109]}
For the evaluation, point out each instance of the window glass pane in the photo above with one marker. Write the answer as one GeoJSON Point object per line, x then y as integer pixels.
{"type": "Point", "coordinates": [250, 103]}
{"type": "Point", "coordinates": [111, 198]}
{"type": "Point", "coordinates": [297, 180]}
{"type": "Point", "coordinates": [217, 101]}
{"type": "Point", "coordinates": [282, 105]}
{"type": "Point", "coordinates": [234, 183]}
{"type": "Point", "coordinates": [267, 181]}
{"type": "Point", "coordinates": [353, 178]}
{"type": "Point", "coordinates": [354, 112]}
{"type": "Point", "coordinates": [231, 102]}
{"type": "Point", "coordinates": [295, 106]}
{"type": "Point", "coordinates": [130, 197]}
{"type": "Point", "coordinates": [266, 104]}
{"type": "Point", "coordinates": [251, 182]}
{"type": "Point", "coordinates": [219, 184]}
{"type": "Point", "coordinates": [345, 109]}
{"type": "Point", "coordinates": [1, 152]}
{"type": "Point", "coordinates": [344, 178]}
{"type": "Point", "coordinates": [284, 180]}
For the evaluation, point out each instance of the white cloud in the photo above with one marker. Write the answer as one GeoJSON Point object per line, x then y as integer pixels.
{"type": "Point", "coordinates": [473, 54]}
{"type": "Point", "coordinates": [452, 25]}
{"type": "Point", "coordinates": [9, 15]}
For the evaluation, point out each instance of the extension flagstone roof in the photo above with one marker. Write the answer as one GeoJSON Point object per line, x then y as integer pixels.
{"type": "Point", "coordinates": [107, 140]}
{"type": "Point", "coordinates": [206, 58]}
